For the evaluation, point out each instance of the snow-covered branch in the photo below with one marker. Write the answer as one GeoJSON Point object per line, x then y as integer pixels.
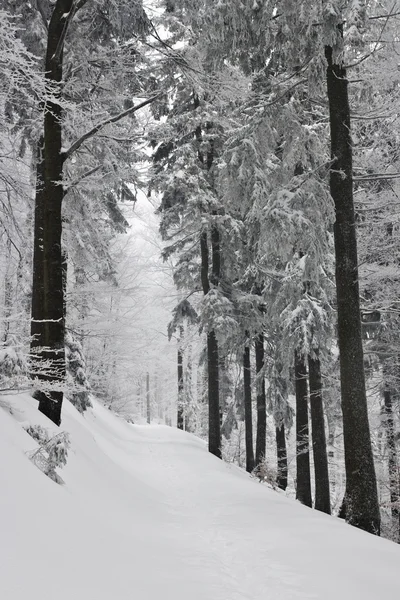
{"type": "Point", "coordinates": [86, 136]}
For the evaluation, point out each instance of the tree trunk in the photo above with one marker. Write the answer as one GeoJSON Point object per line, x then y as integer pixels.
{"type": "Point", "coordinates": [187, 387]}
{"type": "Point", "coordinates": [261, 402]}
{"type": "Point", "coordinates": [392, 459]}
{"type": "Point", "coordinates": [362, 508]}
{"type": "Point", "coordinates": [139, 400]}
{"type": "Point", "coordinates": [214, 426]}
{"type": "Point", "coordinates": [181, 417]}
{"type": "Point", "coordinates": [48, 322]}
{"type": "Point", "coordinates": [322, 494]}
{"type": "Point", "coordinates": [248, 417]}
{"type": "Point", "coordinates": [303, 487]}
{"type": "Point", "coordinates": [180, 423]}
{"type": "Point", "coordinates": [282, 476]}
{"type": "Point", "coordinates": [8, 292]}
{"type": "Point", "coordinates": [148, 404]}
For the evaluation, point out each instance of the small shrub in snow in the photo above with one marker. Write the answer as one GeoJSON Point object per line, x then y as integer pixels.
{"type": "Point", "coordinates": [52, 452]}
{"type": "Point", "coordinates": [265, 473]}
{"type": "Point", "coordinates": [12, 364]}
{"type": "Point", "coordinates": [38, 433]}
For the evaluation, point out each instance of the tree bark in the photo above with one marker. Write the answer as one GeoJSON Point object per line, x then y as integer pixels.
{"type": "Point", "coordinates": [362, 508]}
{"type": "Point", "coordinates": [214, 417]}
{"type": "Point", "coordinates": [261, 441]}
{"type": "Point", "coordinates": [392, 459]}
{"type": "Point", "coordinates": [322, 500]}
{"type": "Point", "coordinates": [303, 487]}
{"type": "Point", "coordinates": [214, 425]}
{"type": "Point", "coordinates": [248, 416]}
{"type": "Point", "coordinates": [282, 476]}
{"type": "Point", "coordinates": [48, 321]}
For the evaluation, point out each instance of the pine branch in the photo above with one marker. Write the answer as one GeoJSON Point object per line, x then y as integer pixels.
{"type": "Point", "coordinates": [392, 14]}
{"type": "Point", "coordinates": [378, 41]}
{"type": "Point", "coordinates": [86, 136]}
{"type": "Point", "coordinates": [81, 177]}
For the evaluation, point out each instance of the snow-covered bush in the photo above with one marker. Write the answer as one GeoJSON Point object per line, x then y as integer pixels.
{"type": "Point", "coordinates": [12, 364]}
{"type": "Point", "coordinates": [52, 452]}
{"type": "Point", "coordinates": [266, 474]}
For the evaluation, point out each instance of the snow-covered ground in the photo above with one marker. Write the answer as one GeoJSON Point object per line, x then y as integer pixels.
{"type": "Point", "coordinates": [147, 513]}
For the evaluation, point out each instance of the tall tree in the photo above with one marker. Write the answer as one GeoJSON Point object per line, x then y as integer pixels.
{"type": "Point", "coordinates": [180, 412]}
{"type": "Point", "coordinates": [48, 319]}
{"type": "Point", "coordinates": [148, 398]}
{"type": "Point", "coordinates": [283, 417]}
{"type": "Point", "coordinates": [282, 462]}
{"type": "Point", "coordinates": [361, 500]}
{"type": "Point", "coordinates": [248, 413]}
{"type": "Point", "coordinates": [303, 483]}
{"type": "Point", "coordinates": [261, 401]}
{"type": "Point", "coordinates": [214, 425]}
{"type": "Point", "coordinates": [56, 174]}
{"type": "Point", "coordinates": [322, 499]}
{"type": "Point", "coordinates": [393, 469]}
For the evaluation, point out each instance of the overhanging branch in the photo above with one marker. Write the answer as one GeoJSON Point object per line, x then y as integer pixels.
{"type": "Point", "coordinates": [76, 145]}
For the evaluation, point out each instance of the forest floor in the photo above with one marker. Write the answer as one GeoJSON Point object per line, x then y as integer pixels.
{"type": "Point", "coordinates": [146, 513]}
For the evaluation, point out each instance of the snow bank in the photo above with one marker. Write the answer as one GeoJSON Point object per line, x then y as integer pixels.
{"type": "Point", "coordinates": [147, 513]}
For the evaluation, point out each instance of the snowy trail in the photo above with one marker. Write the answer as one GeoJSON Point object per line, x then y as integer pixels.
{"type": "Point", "coordinates": [147, 513]}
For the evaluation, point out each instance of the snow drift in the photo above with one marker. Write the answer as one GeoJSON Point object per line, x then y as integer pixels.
{"type": "Point", "coordinates": [147, 513]}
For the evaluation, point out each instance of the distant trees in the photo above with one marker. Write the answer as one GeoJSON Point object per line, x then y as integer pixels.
{"type": "Point", "coordinates": [271, 181]}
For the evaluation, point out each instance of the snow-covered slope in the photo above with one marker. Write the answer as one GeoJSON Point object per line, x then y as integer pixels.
{"type": "Point", "coordinates": [147, 513]}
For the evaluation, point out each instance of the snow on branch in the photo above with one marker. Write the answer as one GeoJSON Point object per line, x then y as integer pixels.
{"type": "Point", "coordinates": [78, 143]}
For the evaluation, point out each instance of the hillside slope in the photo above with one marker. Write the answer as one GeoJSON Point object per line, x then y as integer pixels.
{"type": "Point", "coordinates": [147, 513]}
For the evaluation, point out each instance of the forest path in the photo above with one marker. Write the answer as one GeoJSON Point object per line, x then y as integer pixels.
{"type": "Point", "coordinates": [147, 513]}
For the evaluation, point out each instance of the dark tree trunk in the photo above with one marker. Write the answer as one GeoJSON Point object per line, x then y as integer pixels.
{"type": "Point", "coordinates": [261, 402]}
{"type": "Point", "coordinates": [148, 404]}
{"type": "Point", "coordinates": [303, 487]}
{"type": "Point", "coordinates": [282, 476]}
{"type": "Point", "coordinates": [204, 263]}
{"type": "Point", "coordinates": [392, 458]}
{"type": "Point", "coordinates": [322, 494]}
{"type": "Point", "coordinates": [180, 422]}
{"type": "Point", "coordinates": [47, 289]}
{"type": "Point", "coordinates": [214, 425]}
{"type": "Point", "coordinates": [248, 416]}
{"type": "Point", "coordinates": [362, 508]}
{"type": "Point", "coordinates": [214, 417]}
